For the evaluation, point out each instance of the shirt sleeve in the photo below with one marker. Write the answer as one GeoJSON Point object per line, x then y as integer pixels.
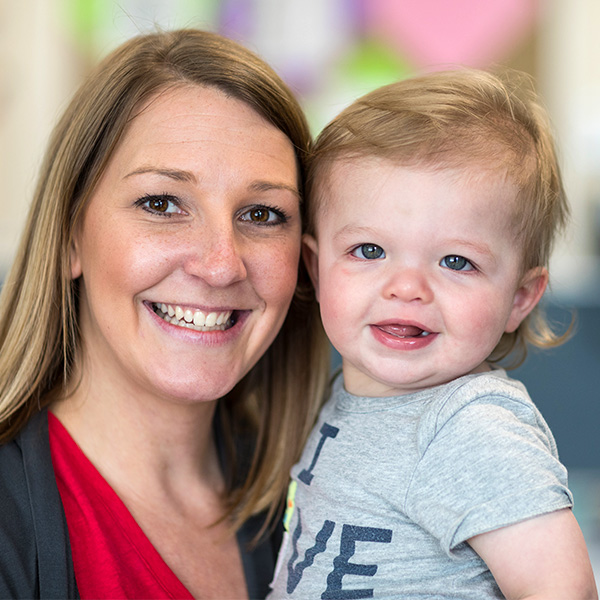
{"type": "Point", "coordinates": [487, 463]}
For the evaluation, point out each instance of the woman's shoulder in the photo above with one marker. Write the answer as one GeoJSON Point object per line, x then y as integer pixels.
{"type": "Point", "coordinates": [15, 456]}
{"type": "Point", "coordinates": [35, 556]}
{"type": "Point", "coordinates": [17, 560]}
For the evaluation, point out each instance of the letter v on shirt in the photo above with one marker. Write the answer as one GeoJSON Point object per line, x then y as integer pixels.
{"type": "Point", "coordinates": [350, 534]}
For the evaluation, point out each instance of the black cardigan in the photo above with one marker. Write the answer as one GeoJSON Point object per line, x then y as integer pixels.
{"type": "Point", "coordinates": [35, 553]}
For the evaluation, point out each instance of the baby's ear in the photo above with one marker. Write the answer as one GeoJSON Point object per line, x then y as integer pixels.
{"type": "Point", "coordinates": [310, 255]}
{"type": "Point", "coordinates": [530, 292]}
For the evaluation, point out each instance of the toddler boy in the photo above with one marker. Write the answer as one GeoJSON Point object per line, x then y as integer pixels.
{"type": "Point", "coordinates": [430, 473]}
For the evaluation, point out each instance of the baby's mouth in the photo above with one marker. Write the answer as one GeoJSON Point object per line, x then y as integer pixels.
{"type": "Point", "coordinates": [194, 319]}
{"type": "Point", "coordinates": [404, 331]}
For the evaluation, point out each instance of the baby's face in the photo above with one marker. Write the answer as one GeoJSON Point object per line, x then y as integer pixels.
{"type": "Point", "coordinates": [418, 272]}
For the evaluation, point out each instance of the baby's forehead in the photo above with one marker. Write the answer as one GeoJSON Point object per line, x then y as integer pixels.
{"type": "Point", "coordinates": [380, 195]}
{"type": "Point", "coordinates": [503, 172]}
{"type": "Point", "coordinates": [344, 172]}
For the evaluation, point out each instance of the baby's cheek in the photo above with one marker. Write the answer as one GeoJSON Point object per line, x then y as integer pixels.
{"type": "Point", "coordinates": [486, 325]}
{"type": "Point", "coordinates": [337, 320]}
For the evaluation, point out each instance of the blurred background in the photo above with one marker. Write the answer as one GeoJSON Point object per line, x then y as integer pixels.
{"type": "Point", "coordinates": [330, 52]}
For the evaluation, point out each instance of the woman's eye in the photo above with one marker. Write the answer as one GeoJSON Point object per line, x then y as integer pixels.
{"type": "Point", "coordinates": [162, 204]}
{"type": "Point", "coordinates": [368, 251]}
{"type": "Point", "coordinates": [263, 215]}
{"type": "Point", "coordinates": [456, 263]}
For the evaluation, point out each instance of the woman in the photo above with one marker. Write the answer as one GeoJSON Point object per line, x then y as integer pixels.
{"type": "Point", "coordinates": [153, 392]}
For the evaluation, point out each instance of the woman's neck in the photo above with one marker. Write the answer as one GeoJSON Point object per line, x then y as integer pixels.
{"type": "Point", "coordinates": [140, 441]}
{"type": "Point", "coordinates": [159, 456]}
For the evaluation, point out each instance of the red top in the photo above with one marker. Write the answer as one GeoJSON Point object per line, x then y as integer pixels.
{"type": "Point", "coordinates": [112, 556]}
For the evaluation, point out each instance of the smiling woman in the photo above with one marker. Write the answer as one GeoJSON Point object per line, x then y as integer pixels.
{"type": "Point", "coordinates": [176, 344]}
{"type": "Point", "coordinates": [193, 242]}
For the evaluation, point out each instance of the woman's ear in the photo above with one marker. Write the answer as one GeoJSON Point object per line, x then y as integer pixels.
{"type": "Point", "coordinates": [529, 293]}
{"type": "Point", "coordinates": [74, 258]}
{"type": "Point", "coordinates": [310, 255]}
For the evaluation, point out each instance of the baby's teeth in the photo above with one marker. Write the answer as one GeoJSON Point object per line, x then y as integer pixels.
{"type": "Point", "coordinates": [220, 319]}
{"type": "Point", "coordinates": [188, 315]}
{"type": "Point", "coordinates": [163, 308]}
{"type": "Point", "coordinates": [211, 319]}
{"type": "Point", "coordinates": [179, 313]}
{"type": "Point", "coordinates": [199, 319]}
{"type": "Point", "coordinates": [171, 311]}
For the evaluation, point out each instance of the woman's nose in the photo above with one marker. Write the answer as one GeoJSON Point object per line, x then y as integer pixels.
{"type": "Point", "coordinates": [407, 284]}
{"type": "Point", "coordinates": [217, 257]}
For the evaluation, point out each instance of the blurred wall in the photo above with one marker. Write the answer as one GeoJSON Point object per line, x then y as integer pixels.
{"type": "Point", "coordinates": [37, 74]}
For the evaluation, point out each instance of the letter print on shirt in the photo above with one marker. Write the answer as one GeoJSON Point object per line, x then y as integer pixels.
{"type": "Point", "coordinates": [350, 535]}
{"type": "Point", "coordinates": [327, 431]}
{"type": "Point", "coordinates": [295, 572]}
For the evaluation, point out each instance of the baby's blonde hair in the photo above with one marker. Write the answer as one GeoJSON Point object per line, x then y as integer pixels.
{"type": "Point", "coordinates": [461, 119]}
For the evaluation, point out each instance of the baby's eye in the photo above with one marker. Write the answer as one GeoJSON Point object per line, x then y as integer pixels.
{"type": "Point", "coordinates": [263, 215]}
{"type": "Point", "coordinates": [456, 263]}
{"type": "Point", "coordinates": [164, 204]}
{"type": "Point", "coordinates": [368, 251]}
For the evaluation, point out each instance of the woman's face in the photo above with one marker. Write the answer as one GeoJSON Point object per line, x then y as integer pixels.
{"type": "Point", "coordinates": [188, 248]}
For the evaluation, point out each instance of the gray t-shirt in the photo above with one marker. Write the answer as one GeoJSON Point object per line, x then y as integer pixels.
{"type": "Point", "coordinates": [388, 490]}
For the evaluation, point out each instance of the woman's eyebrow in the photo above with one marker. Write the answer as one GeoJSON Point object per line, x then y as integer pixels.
{"type": "Point", "coordinates": [189, 177]}
{"type": "Point", "coordinates": [266, 186]}
{"type": "Point", "coordinates": [175, 174]}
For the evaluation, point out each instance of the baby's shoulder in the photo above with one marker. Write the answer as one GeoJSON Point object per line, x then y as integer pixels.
{"type": "Point", "coordinates": [477, 401]}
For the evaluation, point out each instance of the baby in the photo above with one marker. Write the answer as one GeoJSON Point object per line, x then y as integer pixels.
{"type": "Point", "coordinates": [434, 204]}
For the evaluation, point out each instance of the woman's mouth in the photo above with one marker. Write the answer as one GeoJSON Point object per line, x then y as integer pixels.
{"type": "Point", "coordinates": [197, 320]}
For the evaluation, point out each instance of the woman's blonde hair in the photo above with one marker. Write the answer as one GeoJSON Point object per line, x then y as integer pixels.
{"type": "Point", "coordinates": [461, 119]}
{"type": "Point", "coordinates": [274, 406]}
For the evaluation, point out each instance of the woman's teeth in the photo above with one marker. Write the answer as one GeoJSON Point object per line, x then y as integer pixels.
{"type": "Point", "coordinates": [194, 319]}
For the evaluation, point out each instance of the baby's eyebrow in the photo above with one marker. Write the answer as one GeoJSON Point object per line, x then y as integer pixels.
{"type": "Point", "coordinates": [478, 247]}
{"type": "Point", "coordinates": [350, 229]}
